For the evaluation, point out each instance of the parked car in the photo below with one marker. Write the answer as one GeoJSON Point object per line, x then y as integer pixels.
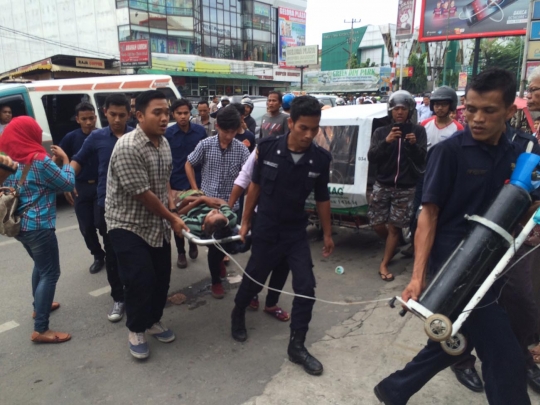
{"type": "Point", "coordinates": [259, 109]}
{"type": "Point", "coordinates": [327, 100]}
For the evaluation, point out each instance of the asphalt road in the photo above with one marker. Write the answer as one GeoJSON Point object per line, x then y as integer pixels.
{"type": "Point", "coordinates": [203, 366]}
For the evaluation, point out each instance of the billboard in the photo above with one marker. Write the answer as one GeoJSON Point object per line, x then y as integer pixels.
{"type": "Point", "coordinates": [292, 31]}
{"type": "Point", "coordinates": [405, 19]}
{"type": "Point", "coordinates": [302, 55]}
{"type": "Point", "coordinates": [135, 54]}
{"type": "Point", "coordinates": [462, 19]}
{"type": "Point", "coordinates": [363, 79]}
{"type": "Point", "coordinates": [462, 80]}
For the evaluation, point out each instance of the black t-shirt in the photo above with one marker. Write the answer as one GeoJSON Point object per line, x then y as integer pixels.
{"type": "Point", "coordinates": [248, 139]}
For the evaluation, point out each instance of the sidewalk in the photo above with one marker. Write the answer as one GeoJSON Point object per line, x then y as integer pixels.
{"type": "Point", "coordinates": [357, 354]}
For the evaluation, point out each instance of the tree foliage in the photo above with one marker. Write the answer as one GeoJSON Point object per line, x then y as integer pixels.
{"type": "Point", "coordinates": [505, 53]}
{"type": "Point", "coordinates": [418, 82]}
{"type": "Point", "coordinates": [356, 65]}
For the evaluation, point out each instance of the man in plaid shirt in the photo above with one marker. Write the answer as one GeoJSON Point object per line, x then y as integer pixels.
{"type": "Point", "coordinates": [139, 221]}
{"type": "Point", "coordinates": [221, 158]}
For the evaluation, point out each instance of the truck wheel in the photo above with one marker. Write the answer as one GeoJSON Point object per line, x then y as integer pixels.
{"type": "Point", "coordinates": [455, 346]}
{"type": "Point", "coordinates": [438, 327]}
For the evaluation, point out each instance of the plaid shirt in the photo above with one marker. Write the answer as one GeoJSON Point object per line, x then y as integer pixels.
{"type": "Point", "coordinates": [137, 166]}
{"type": "Point", "coordinates": [220, 167]}
{"type": "Point", "coordinates": [44, 180]}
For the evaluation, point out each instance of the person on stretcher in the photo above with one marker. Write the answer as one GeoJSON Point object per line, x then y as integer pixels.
{"type": "Point", "coordinates": [206, 217]}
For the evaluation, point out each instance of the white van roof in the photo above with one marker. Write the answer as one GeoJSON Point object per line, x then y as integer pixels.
{"type": "Point", "coordinates": [125, 82]}
{"type": "Point", "coordinates": [353, 114]}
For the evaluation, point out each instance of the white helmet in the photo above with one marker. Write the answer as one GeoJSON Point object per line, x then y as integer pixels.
{"type": "Point", "coordinates": [340, 101]}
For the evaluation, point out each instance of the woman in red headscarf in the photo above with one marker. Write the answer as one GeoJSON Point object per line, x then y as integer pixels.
{"type": "Point", "coordinates": [21, 141]}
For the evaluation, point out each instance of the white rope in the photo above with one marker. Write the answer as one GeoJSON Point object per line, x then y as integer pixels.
{"type": "Point", "coordinates": [343, 303]}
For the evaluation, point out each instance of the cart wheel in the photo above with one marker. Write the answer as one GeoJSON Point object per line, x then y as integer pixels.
{"type": "Point", "coordinates": [456, 345]}
{"type": "Point", "coordinates": [438, 327]}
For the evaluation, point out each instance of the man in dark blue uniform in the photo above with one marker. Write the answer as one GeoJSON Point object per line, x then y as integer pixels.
{"type": "Point", "coordinates": [287, 170]}
{"type": "Point", "coordinates": [183, 138]}
{"type": "Point", "coordinates": [100, 144]}
{"type": "Point", "coordinates": [86, 208]}
{"type": "Point", "coordinates": [463, 175]}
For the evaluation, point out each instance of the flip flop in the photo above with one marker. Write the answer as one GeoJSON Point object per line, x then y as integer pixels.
{"type": "Point", "coordinates": [386, 277]}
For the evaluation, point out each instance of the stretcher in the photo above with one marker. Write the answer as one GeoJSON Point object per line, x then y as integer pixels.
{"type": "Point", "coordinates": [479, 260]}
{"type": "Point", "coordinates": [207, 242]}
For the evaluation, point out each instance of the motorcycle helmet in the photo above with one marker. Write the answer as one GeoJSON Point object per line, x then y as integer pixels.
{"type": "Point", "coordinates": [340, 101]}
{"type": "Point", "coordinates": [401, 98]}
{"type": "Point", "coordinates": [247, 101]}
{"type": "Point", "coordinates": [444, 93]}
{"type": "Point", "coordinates": [287, 100]}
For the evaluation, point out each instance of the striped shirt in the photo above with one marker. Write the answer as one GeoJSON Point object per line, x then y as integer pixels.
{"type": "Point", "coordinates": [220, 167]}
{"type": "Point", "coordinates": [44, 180]}
{"type": "Point", "coordinates": [137, 166]}
{"type": "Point", "coordinates": [194, 219]}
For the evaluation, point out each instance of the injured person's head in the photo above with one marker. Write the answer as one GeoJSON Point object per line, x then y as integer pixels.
{"type": "Point", "coordinates": [214, 222]}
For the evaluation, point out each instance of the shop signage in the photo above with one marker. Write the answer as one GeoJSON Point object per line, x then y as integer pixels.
{"type": "Point", "coordinates": [90, 63]}
{"type": "Point", "coordinates": [135, 54]}
{"type": "Point", "coordinates": [302, 55]}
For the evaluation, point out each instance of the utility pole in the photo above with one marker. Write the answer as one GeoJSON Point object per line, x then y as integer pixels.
{"type": "Point", "coordinates": [523, 81]}
{"type": "Point", "coordinates": [352, 22]}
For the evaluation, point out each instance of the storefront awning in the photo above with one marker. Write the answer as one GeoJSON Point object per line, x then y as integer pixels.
{"type": "Point", "coordinates": [59, 68]}
{"type": "Point", "coordinates": [197, 74]}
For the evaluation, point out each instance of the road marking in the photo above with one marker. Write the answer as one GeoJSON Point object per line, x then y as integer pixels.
{"type": "Point", "coordinates": [100, 291]}
{"type": "Point", "coordinates": [61, 230]}
{"type": "Point", "coordinates": [8, 326]}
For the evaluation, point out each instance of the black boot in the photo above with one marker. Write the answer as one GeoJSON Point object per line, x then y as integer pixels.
{"type": "Point", "coordinates": [298, 353]}
{"type": "Point", "coordinates": [238, 324]}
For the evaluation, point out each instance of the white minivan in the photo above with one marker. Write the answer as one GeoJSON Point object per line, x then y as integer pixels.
{"type": "Point", "coordinates": [52, 102]}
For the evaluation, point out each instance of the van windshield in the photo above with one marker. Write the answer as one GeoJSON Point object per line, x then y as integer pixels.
{"type": "Point", "coordinates": [341, 142]}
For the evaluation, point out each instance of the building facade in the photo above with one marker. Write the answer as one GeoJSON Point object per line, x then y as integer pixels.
{"type": "Point", "coordinates": [208, 46]}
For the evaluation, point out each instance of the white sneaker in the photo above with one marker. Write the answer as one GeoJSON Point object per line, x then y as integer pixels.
{"type": "Point", "coordinates": [117, 312]}
{"type": "Point", "coordinates": [138, 347]}
{"type": "Point", "coordinates": [161, 333]}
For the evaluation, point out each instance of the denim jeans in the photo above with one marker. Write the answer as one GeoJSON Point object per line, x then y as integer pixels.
{"type": "Point", "coordinates": [42, 246]}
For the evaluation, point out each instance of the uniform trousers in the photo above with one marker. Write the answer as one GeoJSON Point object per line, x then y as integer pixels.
{"type": "Point", "coordinates": [111, 261]}
{"type": "Point", "coordinates": [488, 330]}
{"type": "Point", "coordinates": [267, 256]}
{"type": "Point", "coordinates": [87, 212]}
{"type": "Point", "coordinates": [146, 274]}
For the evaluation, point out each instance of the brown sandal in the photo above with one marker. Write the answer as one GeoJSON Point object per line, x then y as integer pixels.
{"type": "Point", "coordinates": [54, 307]}
{"type": "Point", "coordinates": [535, 352]}
{"type": "Point", "coordinates": [50, 337]}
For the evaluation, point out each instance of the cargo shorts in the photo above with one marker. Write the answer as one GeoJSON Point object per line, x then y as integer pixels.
{"type": "Point", "coordinates": [390, 205]}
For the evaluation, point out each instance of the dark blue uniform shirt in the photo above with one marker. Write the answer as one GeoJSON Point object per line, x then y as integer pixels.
{"type": "Point", "coordinates": [182, 144]}
{"type": "Point", "coordinates": [72, 144]}
{"type": "Point", "coordinates": [463, 176]}
{"type": "Point", "coordinates": [285, 187]}
{"type": "Point", "coordinates": [100, 143]}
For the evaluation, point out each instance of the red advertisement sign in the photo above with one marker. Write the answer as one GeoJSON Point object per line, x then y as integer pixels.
{"type": "Point", "coordinates": [135, 53]}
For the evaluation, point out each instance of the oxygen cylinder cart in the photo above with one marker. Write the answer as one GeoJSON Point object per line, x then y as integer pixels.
{"type": "Point", "coordinates": [478, 261]}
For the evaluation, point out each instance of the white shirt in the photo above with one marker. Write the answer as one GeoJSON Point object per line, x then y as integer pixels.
{"type": "Point", "coordinates": [436, 134]}
{"type": "Point", "coordinates": [424, 112]}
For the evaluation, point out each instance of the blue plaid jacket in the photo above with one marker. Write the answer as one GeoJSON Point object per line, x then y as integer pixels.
{"type": "Point", "coordinates": [44, 180]}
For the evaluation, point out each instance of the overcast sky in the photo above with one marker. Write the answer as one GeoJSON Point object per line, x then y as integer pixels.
{"type": "Point", "coordinates": [328, 15]}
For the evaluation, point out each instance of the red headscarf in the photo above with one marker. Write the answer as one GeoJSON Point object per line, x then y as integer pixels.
{"type": "Point", "coordinates": [21, 140]}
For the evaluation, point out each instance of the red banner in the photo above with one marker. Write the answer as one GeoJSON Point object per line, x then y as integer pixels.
{"type": "Point", "coordinates": [135, 54]}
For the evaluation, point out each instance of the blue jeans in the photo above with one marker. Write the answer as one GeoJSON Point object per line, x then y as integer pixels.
{"type": "Point", "coordinates": [42, 247]}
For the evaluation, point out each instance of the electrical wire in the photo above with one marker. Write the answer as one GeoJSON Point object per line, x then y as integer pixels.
{"type": "Point", "coordinates": [342, 303]}
{"type": "Point", "coordinates": [56, 43]}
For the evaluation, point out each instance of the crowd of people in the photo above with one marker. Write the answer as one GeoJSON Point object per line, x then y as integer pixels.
{"type": "Point", "coordinates": [134, 184]}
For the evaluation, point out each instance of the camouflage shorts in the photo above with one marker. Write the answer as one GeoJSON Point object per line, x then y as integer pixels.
{"type": "Point", "coordinates": [389, 205]}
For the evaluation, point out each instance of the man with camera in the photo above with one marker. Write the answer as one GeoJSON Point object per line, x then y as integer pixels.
{"type": "Point", "coordinates": [398, 151]}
